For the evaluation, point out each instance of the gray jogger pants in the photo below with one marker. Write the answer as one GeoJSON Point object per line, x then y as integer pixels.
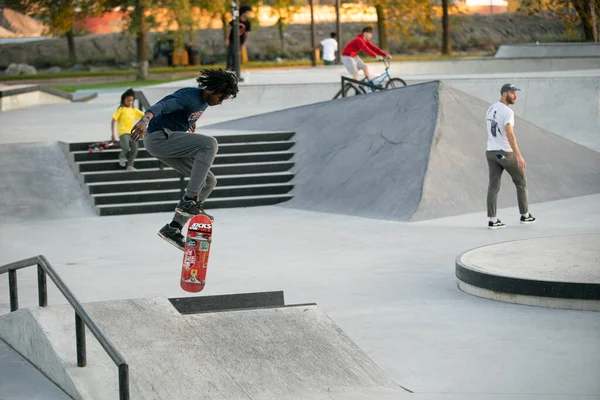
{"type": "Point", "coordinates": [498, 161]}
{"type": "Point", "coordinates": [129, 149]}
{"type": "Point", "coordinates": [191, 154]}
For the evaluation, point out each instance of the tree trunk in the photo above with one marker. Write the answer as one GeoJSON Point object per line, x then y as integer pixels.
{"type": "Point", "coordinates": [142, 54]}
{"type": "Point", "coordinates": [224, 21]}
{"type": "Point", "coordinates": [71, 46]}
{"type": "Point", "coordinates": [280, 29]}
{"type": "Point", "coordinates": [583, 12]}
{"type": "Point", "coordinates": [382, 28]}
{"type": "Point", "coordinates": [446, 48]}
{"type": "Point", "coordinates": [594, 14]}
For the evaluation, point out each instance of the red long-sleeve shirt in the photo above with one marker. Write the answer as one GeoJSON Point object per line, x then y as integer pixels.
{"type": "Point", "coordinates": [360, 43]}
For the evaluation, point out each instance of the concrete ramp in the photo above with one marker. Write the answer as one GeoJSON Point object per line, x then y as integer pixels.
{"type": "Point", "coordinates": [548, 50]}
{"type": "Point", "coordinates": [415, 153]}
{"type": "Point", "coordinates": [293, 352]}
{"type": "Point", "coordinates": [569, 107]}
{"type": "Point", "coordinates": [37, 182]}
{"type": "Point", "coordinates": [13, 97]}
{"type": "Point", "coordinates": [256, 99]}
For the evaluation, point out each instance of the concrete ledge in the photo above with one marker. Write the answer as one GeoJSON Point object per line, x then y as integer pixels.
{"type": "Point", "coordinates": [536, 301]}
{"type": "Point", "coordinates": [557, 272]}
{"type": "Point", "coordinates": [22, 96]}
{"type": "Point", "coordinates": [548, 50]}
{"type": "Point", "coordinates": [199, 304]}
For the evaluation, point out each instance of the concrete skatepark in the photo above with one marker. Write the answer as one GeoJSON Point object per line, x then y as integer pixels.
{"type": "Point", "coordinates": [389, 190]}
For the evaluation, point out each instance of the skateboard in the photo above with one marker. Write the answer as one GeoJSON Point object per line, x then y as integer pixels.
{"type": "Point", "coordinates": [99, 146]}
{"type": "Point", "coordinates": [195, 255]}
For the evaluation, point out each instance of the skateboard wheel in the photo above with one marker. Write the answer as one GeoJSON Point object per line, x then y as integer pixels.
{"type": "Point", "coordinates": [90, 150]}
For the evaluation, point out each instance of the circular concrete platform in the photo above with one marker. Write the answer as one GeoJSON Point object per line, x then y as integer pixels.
{"type": "Point", "coordinates": [556, 272]}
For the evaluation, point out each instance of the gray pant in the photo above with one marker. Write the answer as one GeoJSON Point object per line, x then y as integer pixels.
{"type": "Point", "coordinates": [191, 154]}
{"type": "Point", "coordinates": [498, 161]}
{"type": "Point", "coordinates": [129, 149]}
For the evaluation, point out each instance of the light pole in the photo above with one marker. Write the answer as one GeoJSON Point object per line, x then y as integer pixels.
{"type": "Point", "coordinates": [338, 57]}
{"type": "Point", "coordinates": [235, 14]}
{"type": "Point", "coordinates": [313, 34]}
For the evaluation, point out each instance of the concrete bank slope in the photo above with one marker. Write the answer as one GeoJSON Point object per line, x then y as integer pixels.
{"type": "Point", "coordinates": [415, 153]}
{"type": "Point", "coordinates": [37, 182]}
{"type": "Point", "coordinates": [567, 106]}
{"type": "Point", "coordinates": [290, 352]}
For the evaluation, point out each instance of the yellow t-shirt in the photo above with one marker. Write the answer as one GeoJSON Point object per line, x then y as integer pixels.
{"type": "Point", "coordinates": [126, 117]}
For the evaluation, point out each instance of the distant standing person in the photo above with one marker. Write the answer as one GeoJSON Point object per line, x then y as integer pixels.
{"type": "Point", "coordinates": [330, 46]}
{"type": "Point", "coordinates": [503, 154]}
{"type": "Point", "coordinates": [125, 117]}
{"type": "Point", "coordinates": [245, 29]}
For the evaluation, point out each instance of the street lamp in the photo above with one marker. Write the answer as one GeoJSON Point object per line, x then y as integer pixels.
{"type": "Point", "coordinates": [313, 34]}
{"type": "Point", "coordinates": [235, 14]}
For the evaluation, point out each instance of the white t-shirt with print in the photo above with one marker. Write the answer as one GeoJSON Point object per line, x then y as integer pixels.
{"type": "Point", "coordinates": [330, 46]}
{"type": "Point", "coordinates": [497, 116]}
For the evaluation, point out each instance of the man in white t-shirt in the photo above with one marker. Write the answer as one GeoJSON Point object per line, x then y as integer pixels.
{"type": "Point", "coordinates": [330, 46]}
{"type": "Point", "coordinates": [503, 154]}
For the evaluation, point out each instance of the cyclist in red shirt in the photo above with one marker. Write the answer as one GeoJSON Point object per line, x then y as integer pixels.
{"type": "Point", "coordinates": [362, 42]}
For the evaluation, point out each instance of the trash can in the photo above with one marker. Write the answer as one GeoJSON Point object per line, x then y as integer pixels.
{"type": "Point", "coordinates": [194, 57]}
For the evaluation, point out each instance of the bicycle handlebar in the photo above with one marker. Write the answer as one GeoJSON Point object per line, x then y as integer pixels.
{"type": "Point", "coordinates": [387, 62]}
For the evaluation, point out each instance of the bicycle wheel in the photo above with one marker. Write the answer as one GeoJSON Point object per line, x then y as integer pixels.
{"type": "Point", "coordinates": [394, 83]}
{"type": "Point", "coordinates": [351, 90]}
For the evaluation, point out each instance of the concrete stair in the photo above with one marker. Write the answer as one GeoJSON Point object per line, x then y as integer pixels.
{"type": "Point", "coordinates": [252, 169]}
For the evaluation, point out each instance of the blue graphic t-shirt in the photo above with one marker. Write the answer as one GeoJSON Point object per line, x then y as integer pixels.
{"type": "Point", "coordinates": [178, 111]}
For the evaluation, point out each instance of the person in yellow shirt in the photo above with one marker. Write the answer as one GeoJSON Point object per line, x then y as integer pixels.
{"type": "Point", "coordinates": [125, 117]}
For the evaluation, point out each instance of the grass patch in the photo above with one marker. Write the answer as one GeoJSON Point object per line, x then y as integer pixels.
{"type": "Point", "coordinates": [252, 65]}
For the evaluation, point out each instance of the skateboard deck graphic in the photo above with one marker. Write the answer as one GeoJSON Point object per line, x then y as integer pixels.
{"type": "Point", "coordinates": [99, 146]}
{"type": "Point", "coordinates": [196, 252]}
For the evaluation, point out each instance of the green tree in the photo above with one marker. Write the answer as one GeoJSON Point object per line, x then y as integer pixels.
{"type": "Point", "coordinates": [59, 15]}
{"type": "Point", "coordinates": [140, 19]}
{"type": "Point", "coordinates": [584, 12]}
{"type": "Point", "coordinates": [284, 10]}
{"type": "Point", "coordinates": [402, 18]}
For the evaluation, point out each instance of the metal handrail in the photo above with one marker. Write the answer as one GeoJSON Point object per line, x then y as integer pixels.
{"type": "Point", "coordinates": [143, 102]}
{"type": "Point", "coordinates": [82, 318]}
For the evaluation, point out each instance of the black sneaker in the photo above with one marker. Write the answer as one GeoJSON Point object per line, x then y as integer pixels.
{"type": "Point", "coordinates": [527, 220]}
{"type": "Point", "coordinates": [496, 225]}
{"type": "Point", "coordinates": [201, 207]}
{"type": "Point", "coordinates": [173, 236]}
{"type": "Point", "coordinates": [187, 208]}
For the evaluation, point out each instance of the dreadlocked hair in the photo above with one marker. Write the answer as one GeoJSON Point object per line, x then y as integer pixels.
{"type": "Point", "coordinates": [218, 81]}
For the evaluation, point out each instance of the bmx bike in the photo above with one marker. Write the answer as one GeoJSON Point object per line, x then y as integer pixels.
{"type": "Point", "coordinates": [383, 81]}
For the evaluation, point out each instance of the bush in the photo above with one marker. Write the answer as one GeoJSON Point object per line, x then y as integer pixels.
{"type": "Point", "coordinates": [104, 60]}
{"type": "Point", "coordinates": [51, 60]}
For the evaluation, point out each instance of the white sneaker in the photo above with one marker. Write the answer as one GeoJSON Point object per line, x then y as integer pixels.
{"type": "Point", "coordinates": [122, 162]}
{"type": "Point", "coordinates": [130, 168]}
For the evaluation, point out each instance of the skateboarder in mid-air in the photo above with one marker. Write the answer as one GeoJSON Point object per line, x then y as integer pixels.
{"type": "Point", "coordinates": [167, 128]}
